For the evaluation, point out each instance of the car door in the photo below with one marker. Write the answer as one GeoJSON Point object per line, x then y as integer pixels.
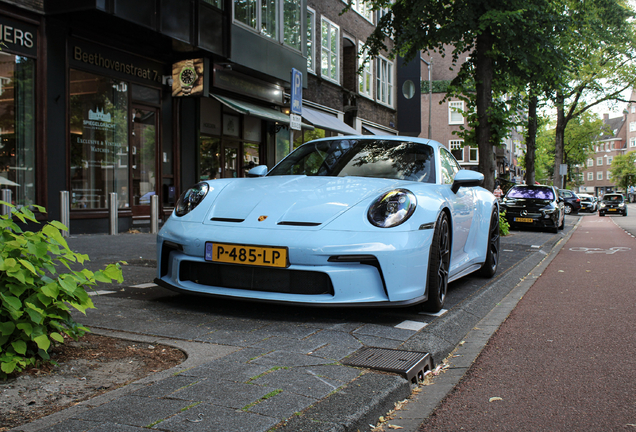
{"type": "Point", "coordinates": [462, 210]}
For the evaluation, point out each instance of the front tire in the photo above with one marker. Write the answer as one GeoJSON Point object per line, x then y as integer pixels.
{"type": "Point", "coordinates": [489, 268]}
{"type": "Point", "coordinates": [438, 266]}
{"type": "Point", "coordinates": [568, 209]}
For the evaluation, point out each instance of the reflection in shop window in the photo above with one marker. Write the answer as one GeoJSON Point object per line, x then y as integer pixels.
{"type": "Point", "coordinates": [99, 140]}
{"type": "Point", "coordinates": [17, 128]}
{"type": "Point", "coordinates": [209, 158]}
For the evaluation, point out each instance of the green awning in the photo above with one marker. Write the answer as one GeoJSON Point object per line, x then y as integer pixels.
{"type": "Point", "coordinates": [254, 110]}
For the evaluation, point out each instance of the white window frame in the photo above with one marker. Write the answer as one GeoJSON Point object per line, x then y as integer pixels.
{"type": "Point", "coordinates": [590, 176]}
{"type": "Point", "coordinates": [311, 42]}
{"type": "Point", "coordinates": [608, 175]}
{"type": "Point", "coordinates": [385, 79]}
{"type": "Point", "coordinates": [363, 8]}
{"type": "Point", "coordinates": [609, 160]}
{"type": "Point", "coordinates": [599, 175]}
{"type": "Point", "coordinates": [456, 145]}
{"type": "Point", "coordinates": [632, 126]}
{"type": "Point", "coordinates": [632, 142]}
{"type": "Point", "coordinates": [599, 161]}
{"type": "Point", "coordinates": [455, 108]}
{"type": "Point", "coordinates": [328, 52]}
{"type": "Point", "coordinates": [365, 85]}
{"type": "Point", "coordinates": [474, 150]}
{"type": "Point", "coordinates": [590, 162]}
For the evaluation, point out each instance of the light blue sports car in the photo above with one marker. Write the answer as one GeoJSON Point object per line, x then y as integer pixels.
{"type": "Point", "coordinates": [343, 221]}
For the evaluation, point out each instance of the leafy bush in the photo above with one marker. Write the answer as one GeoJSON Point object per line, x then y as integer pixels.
{"type": "Point", "coordinates": [504, 226]}
{"type": "Point", "coordinates": [36, 299]}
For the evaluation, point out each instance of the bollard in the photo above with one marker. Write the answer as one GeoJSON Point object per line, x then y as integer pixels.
{"type": "Point", "coordinates": [6, 197]}
{"type": "Point", "coordinates": [154, 214]}
{"type": "Point", "coordinates": [65, 213]}
{"type": "Point", "coordinates": [113, 216]}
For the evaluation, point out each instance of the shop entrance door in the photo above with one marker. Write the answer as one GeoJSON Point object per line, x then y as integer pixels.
{"type": "Point", "coordinates": [231, 160]}
{"type": "Point", "coordinates": [143, 156]}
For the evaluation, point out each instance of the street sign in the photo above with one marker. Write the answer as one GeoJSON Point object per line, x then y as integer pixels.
{"type": "Point", "coordinates": [294, 121]}
{"type": "Point", "coordinates": [296, 92]}
{"type": "Point", "coordinates": [563, 169]}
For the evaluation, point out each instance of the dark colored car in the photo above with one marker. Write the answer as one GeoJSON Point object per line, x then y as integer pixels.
{"type": "Point", "coordinates": [572, 201]}
{"type": "Point", "coordinates": [534, 206]}
{"type": "Point", "coordinates": [588, 203]}
{"type": "Point", "coordinates": [612, 203]}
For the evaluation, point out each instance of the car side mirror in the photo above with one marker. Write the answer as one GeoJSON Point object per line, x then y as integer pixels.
{"type": "Point", "coordinates": [257, 171]}
{"type": "Point", "coordinates": [467, 178]}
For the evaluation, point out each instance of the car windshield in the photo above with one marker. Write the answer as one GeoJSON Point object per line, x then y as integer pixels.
{"type": "Point", "coordinates": [613, 198]}
{"type": "Point", "coordinates": [543, 193]}
{"type": "Point", "coordinates": [401, 160]}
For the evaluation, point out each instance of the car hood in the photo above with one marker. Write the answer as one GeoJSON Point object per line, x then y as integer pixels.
{"type": "Point", "coordinates": [291, 200]}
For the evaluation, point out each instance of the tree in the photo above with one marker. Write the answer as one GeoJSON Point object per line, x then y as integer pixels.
{"type": "Point", "coordinates": [503, 38]}
{"type": "Point", "coordinates": [623, 170]}
{"type": "Point", "coordinates": [602, 51]}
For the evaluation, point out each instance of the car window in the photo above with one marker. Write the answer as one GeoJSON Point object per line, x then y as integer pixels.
{"type": "Point", "coordinates": [613, 198]}
{"type": "Point", "coordinates": [449, 166]}
{"type": "Point", "coordinates": [401, 160]}
{"type": "Point", "coordinates": [531, 193]}
{"type": "Point", "coordinates": [565, 194]}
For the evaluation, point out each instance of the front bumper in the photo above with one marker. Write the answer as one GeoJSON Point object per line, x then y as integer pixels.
{"type": "Point", "coordinates": [333, 268]}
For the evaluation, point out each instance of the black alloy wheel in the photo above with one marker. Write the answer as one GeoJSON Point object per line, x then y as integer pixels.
{"type": "Point", "coordinates": [438, 266]}
{"type": "Point", "coordinates": [489, 268]}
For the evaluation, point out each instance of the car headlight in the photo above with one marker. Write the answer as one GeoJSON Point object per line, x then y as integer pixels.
{"type": "Point", "coordinates": [621, 205]}
{"type": "Point", "coordinates": [602, 205]}
{"type": "Point", "coordinates": [191, 198]}
{"type": "Point", "coordinates": [392, 208]}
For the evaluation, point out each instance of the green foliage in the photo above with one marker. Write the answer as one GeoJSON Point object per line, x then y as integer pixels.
{"type": "Point", "coordinates": [35, 298]}
{"type": "Point", "coordinates": [623, 170]}
{"type": "Point", "coordinates": [439, 86]}
{"type": "Point", "coordinates": [504, 226]}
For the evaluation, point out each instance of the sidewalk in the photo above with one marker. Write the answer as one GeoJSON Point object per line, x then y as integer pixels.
{"type": "Point", "coordinates": [564, 358]}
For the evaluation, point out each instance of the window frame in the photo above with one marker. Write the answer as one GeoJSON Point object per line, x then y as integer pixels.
{"type": "Point", "coordinates": [455, 107]}
{"type": "Point", "coordinates": [330, 24]}
{"type": "Point", "coordinates": [311, 40]}
{"type": "Point", "coordinates": [590, 176]}
{"type": "Point", "coordinates": [599, 175]}
{"type": "Point", "coordinates": [470, 153]}
{"type": "Point", "coordinates": [390, 83]}
{"type": "Point", "coordinates": [590, 162]}
{"type": "Point", "coordinates": [367, 73]}
{"type": "Point", "coordinates": [456, 145]}
{"type": "Point", "coordinates": [599, 161]}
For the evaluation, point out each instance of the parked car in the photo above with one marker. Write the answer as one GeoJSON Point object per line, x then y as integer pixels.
{"type": "Point", "coordinates": [349, 221]}
{"type": "Point", "coordinates": [612, 203]}
{"type": "Point", "coordinates": [588, 203]}
{"type": "Point", "coordinates": [572, 201]}
{"type": "Point", "coordinates": [534, 206]}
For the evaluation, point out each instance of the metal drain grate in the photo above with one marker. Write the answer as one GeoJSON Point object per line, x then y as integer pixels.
{"type": "Point", "coordinates": [411, 365]}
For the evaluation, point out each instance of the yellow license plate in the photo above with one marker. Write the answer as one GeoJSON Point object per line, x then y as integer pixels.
{"type": "Point", "coordinates": [611, 209]}
{"type": "Point", "coordinates": [517, 219]}
{"type": "Point", "coordinates": [246, 254]}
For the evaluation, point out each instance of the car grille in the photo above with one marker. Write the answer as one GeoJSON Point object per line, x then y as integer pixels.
{"type": "Point", "coordinates": [256, 278]}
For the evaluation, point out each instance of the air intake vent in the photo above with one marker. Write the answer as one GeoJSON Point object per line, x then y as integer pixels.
{"type": "Point", "coordinates": [411, 365]}
{"type": "Point", "coordinates": [304, 224]}
{"type": "Point", "coordinates": [218, 219]}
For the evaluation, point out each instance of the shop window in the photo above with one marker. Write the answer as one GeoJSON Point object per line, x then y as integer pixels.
{"type": "Point", "coordinates": [99, 140]}
{"type": "Point", "coordinates": [17, 127]}
{"type": "Point", "coordinates": [209, 158]}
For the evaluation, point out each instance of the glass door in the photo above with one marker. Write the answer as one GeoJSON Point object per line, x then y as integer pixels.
{"type": "Point", "coordinates": [143, 152]}
{"type": "Point", "coordinates": [231, 168]}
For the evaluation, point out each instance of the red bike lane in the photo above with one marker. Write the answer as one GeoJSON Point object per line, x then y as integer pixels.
{"type": "Point", "coordinates": [565, 358]}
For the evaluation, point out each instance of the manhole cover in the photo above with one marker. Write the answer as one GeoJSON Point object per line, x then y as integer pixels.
{"type": "Point", "coordinates": [410, 364]}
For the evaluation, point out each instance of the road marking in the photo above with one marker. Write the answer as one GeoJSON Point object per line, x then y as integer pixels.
{"type": "Point", "coordinates": [437, 314]}
{"type": "Point", "coordinates": [145, 285]}
{"type": "Point", "coordinates": [411, 325]}
{"type": "Point", "coordinates": [609, 251]}
{"type": "Point", "coordinates": [101, 292]}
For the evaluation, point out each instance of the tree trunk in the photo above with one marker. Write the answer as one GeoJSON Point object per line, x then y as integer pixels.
{"type": "Point", "coordinates": [559, 139]}
{"type": "Point", "coordinates": [531, 140]}
{"type": "Point", "coordinates": [483, 134]}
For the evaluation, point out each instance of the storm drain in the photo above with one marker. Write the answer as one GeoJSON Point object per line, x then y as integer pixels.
{"type": "Point", "coordinates": [411, 365]}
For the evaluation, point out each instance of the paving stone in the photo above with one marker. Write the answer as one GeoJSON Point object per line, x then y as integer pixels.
{"type": "Point", "coordinates": [206, 417]}
{"type": "Point", "coordinates": [300, 381]}
{"type": "Point", "coordinates": [385, 332]}
{"type": "Point", "coordinates": [283, 405]}
{"type": "Point", "coordinates": [134, 410]}
{"type": "Point", "coordinates": [223, 393]}
{"type": "Point", "coordinates": [167, 386]}
{"type": "Point", "coordinates": [282, 358]}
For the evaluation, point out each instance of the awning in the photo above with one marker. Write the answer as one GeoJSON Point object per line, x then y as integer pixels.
{"type": "Point", "coordinates": [325, 121]}
{"type": "Point", "coordinates": [376, 131]}
{"type": "Point", "coordinates": [253, 110]}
